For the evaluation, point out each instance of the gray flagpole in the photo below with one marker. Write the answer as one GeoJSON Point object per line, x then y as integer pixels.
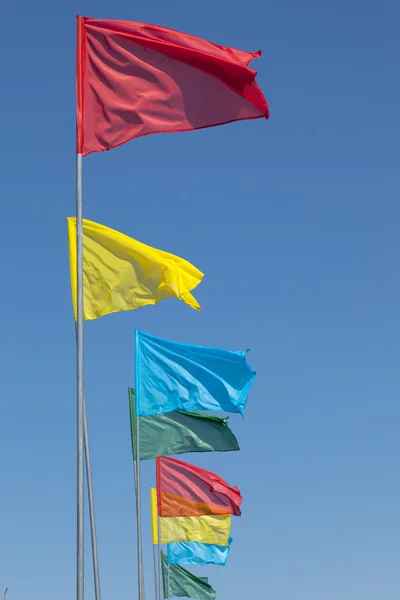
{"type": "Point", "coordinates": [80, 385]}
{"type": "Point", "coordinates": [155, 564]}
{"type": "Point", "coordinates": [91, 509]}
{"type": "Point", "coordinates": [95, 558]}
{"type": "Point", "coordinates": [160, 570]}
{"type": "Point", "coordinates": [137, 478]}
{"type": "Point", "coordinates": [139, 545]}
{"type": "Point", "coordinates": [155, 554]}
{"type": "Point", "coordinates": [161, 577]}
{"type": "Point", "coordinates": [168, 588]}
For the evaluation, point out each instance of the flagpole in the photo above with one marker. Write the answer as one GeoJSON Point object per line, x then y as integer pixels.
{"type": "Point", "coordinates": [168, 588]}
{"type": "Point", "coordinates": [133, 422]}
{"type": "Point", "coordinates": [80, 385]}
{"type": "Point", "coordinates": [160, 570]}
{"type": "Point", "coordinates": [95, 558]}
{"type": "Point", "coordinates": [155, 549]}
{"type": "Point", "coordinates": [140, 574]}
{"type": "Point", "coordinates": [155, 564]}
{"type": "Point", "coordinates": [161, 578]}
{"type": "Point", "coordinates": [137, 478]}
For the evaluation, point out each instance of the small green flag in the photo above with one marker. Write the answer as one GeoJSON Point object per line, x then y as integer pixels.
{"type": "Point", "coordinates": [180, 432]}
{"type": "Point", "coordinates": [183, 583]}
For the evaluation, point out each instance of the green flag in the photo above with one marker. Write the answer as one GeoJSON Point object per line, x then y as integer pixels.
{"type": "Point", "coordinates": [183, 583]}
{"type": "Point", "coordinates": [179, 432]}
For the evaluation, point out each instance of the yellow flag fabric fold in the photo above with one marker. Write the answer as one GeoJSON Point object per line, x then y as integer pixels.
{"type": "Point", "coordinates": [209, 529]}
{"type": "Point", "coordinates": [120, 273]}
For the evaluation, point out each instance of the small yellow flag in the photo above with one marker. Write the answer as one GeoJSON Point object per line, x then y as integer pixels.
{"type": "Point", "coordinates": [120, 273]}
{"type": "Point", "coordinates": [209, 529]}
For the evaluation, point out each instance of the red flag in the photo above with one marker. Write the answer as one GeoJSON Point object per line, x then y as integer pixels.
{"type": "Point", "coordinates": [135, 79]}
{"type": "Point", "coordinates": [184, 490]}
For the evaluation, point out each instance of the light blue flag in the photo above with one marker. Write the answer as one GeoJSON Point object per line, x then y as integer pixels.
{"type": "Point", "coordinates": [196, 553]}
{"type": "Point", "coordinates": [171, 376]}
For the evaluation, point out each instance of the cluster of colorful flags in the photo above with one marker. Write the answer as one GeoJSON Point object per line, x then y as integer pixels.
{"type": "Point", "coordinates": [191, 507]}
{"type": "Point", "coordinates": [132, 80]}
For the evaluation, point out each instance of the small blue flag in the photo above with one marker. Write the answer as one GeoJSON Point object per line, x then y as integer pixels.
{"type": "Point", "coordinates": [173, 376]}
{"type": "Point", "coordinates": [196, 553]}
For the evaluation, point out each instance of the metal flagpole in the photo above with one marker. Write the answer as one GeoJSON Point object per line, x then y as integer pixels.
{"type": "Point", "coordinates": [132, 411]}
{"type": "Point", "coordinates": [95, 558]}
{"type": "Point", "coordinates": [137, 478]}
{"type": "Point", "coordinates": [155, 564]}
{"type": "Point", "coordinates": [91, 508]}
{"type": "Point", "coordinates": [168, 588]}
{"type": "Point", "coordinates": [80, 385]}
{"type": "Point", "coordinates": [160, 570]}
{"type": "Point", "coordinates": [139, 547]}
{"type": "Point", "coordinates": [155, 551]}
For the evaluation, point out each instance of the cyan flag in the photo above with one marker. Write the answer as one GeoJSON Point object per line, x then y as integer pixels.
{"type": "Point", "coordinates": [171, 376]}
{"type": "Point", "coordinates": [196, 553]}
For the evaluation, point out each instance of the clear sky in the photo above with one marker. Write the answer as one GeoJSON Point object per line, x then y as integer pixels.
{"type": "Point", "coordinates": [295, 223]}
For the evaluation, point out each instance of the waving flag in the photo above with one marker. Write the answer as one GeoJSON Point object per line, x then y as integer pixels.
{"type": "Point", "coordinates": [120, 273]}
{"type": "Point", "coordinates": [180, 432]}
{"type": "Point", "coordinates": [135, 79]}
{"type": "Point", "coordinates": [181, 583]}
{"type": "Point", "coordinates": [171, 376]}
{"type": "Point", "coordinates": [196, 553]}
{"type": "Point", "coordinates": [186, 490]}
{"type": "Point", "coordinates": [209, 529]}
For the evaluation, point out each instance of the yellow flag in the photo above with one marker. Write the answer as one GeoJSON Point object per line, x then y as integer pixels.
{"type": "Point", "coordinates": [120, 273]}
{"type": "Point", "coordinates": [209, 529]}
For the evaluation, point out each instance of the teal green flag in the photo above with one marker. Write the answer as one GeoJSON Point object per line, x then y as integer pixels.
{"type": "Point", "coordinates": [180, 432]}
{"type": "Point", "coordinates": [183, 584]}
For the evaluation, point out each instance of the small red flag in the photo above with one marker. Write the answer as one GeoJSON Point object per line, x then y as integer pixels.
{"type": "Point", "coordinates": [134, 79]}
{"type": "Point", "coordinates": [184, 490]}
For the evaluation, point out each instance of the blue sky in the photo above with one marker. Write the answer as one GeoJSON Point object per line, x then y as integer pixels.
{"type": "Point", "coordinates": [295, 223]}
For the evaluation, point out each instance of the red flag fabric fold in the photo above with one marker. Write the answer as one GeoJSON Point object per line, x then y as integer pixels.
{"type": "Point", "coordinates": [135, 79]}
{"type": "Point", "coordinates": [184, 490]}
